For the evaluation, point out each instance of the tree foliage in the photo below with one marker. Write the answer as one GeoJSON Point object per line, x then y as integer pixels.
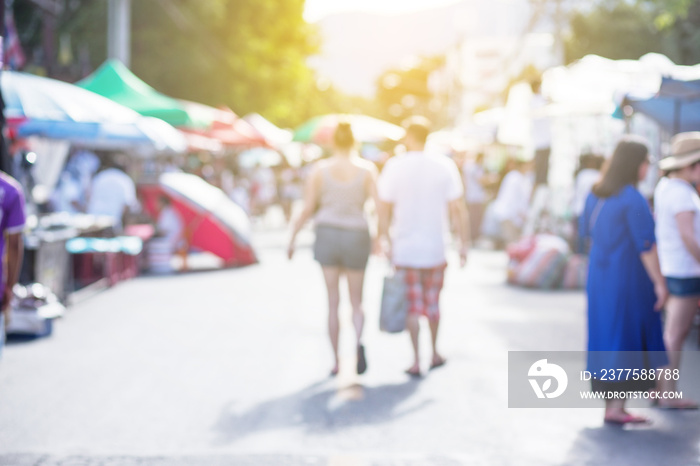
{"type": "Point", "coordinates": [249, 55]}
{"type": "Point", "coordinates": [668, 11]}
{"type": "Point", "coordinates": [614, 31]}
{"type": "Point", "coordinates": [402, 92]}
{"type": "Point", "coordinates": [620, 29]}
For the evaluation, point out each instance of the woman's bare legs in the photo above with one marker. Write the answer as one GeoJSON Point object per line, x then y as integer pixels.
{"type": "Point", "coordinates": [332, 278]}
{"type": "Point", "coordinates": [413, 325]}
{"type": "Point", "coordinates": [680, 311]}
{"type": "Point", "coordinates": [438, 360]}
{"type": "Point", "coordinates": [356, 280]}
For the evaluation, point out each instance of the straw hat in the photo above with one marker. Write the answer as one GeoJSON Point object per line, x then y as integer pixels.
{"type": "Point", "coordinates": [685, 150]}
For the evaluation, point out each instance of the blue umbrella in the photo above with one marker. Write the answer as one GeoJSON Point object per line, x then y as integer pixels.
{"type": "Point", "coordinates": [676, 107]}
{"type": "Point", "coordinates": [57, 110]}
{"type": "Point", "coordinates": [85, 133]}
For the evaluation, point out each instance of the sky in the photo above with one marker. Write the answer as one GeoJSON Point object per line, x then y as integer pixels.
{"type": "Point", "coordinates": [317, 9]}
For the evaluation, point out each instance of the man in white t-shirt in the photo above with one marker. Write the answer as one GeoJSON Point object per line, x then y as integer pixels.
{"type": "Point", "coordinates": [417, 191]}
{"type": "Point", "coordinates": [513, 201]}
{"type": "Point", "coordinates": [112, 194]}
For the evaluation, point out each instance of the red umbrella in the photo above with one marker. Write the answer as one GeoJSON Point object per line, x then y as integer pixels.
{"type": "Point", "coordinates": [225, 126]}
{"type": "Point", "coordinates": [213, 222]}
{"type": "Point", "coordinates": [233, 130]}
{"type": "Point", "coordinates": [199, 142]}
{"type": "Point", "coordinates": [319, 130]}
{"type": "Point", "coordinates": [274, 135]}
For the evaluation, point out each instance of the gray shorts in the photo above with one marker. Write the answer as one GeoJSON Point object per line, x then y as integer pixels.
{"type": "Point", "coordinates": [340, 247]}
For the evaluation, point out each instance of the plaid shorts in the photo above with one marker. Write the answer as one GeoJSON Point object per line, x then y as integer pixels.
{"type": "Point", "coordinates": [423, 288]}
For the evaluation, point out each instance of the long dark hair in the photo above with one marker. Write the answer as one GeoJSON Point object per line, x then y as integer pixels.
{"type": "Point", "coordinates": [622, 168]}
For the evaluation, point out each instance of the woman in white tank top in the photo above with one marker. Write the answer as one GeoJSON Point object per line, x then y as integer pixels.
{"type": "Point", "coordinates": [335, 195]}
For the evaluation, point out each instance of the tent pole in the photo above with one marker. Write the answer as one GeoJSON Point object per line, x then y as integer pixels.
{"type": "Point", "coordinates": [676, 117]}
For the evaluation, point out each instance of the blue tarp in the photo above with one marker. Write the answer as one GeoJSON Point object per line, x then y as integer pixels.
{"type": "Point", "coordinates": [676, 107]}
{"type": "Point", "coordinates": [57, 110]}
{"type": "Point", "coordinates": [94, 134]}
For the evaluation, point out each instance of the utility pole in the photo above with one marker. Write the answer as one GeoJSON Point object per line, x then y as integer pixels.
{"type": "Point", "coordinates": [119, 31]}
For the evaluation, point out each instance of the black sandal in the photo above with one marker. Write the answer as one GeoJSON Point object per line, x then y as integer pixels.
{"type": "Point", "coordinates": [361, 360]}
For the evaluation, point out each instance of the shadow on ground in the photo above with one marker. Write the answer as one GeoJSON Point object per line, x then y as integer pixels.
{"type": "Point", "coordinates": [670, 439]}
{"type": "Point", "coordinates": [321, 408]}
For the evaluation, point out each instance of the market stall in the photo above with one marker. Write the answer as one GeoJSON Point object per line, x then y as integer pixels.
{"type": "Point", "coordinates": [116, 82]}
{"type": "Point", "coordinates": [47, 118]}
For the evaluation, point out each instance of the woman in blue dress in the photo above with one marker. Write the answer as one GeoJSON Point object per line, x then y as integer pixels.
{"type": "Point", "coordinates": [625, 287]}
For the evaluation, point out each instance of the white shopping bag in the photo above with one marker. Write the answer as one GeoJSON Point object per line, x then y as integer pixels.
{"type": "Point", "coordinates": [394, 307]}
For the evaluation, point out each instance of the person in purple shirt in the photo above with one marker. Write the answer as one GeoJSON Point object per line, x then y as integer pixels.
{"type": "Point", "coordinates": [11, 226]}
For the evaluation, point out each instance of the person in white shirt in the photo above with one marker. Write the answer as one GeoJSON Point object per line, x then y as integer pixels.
{"type": "Point", "coordinates": [677, 209]}
{"type": "Point", "coordinates": [541, 133]}
{"type": "Point", "coordinates": [67, 196]}
{"type": "Point", "coordinates": [73, 186]}
{"type": "Point", "coordinates": [112, 194]}
{"type": "Point", "coordinates": [513, 201]}
{"type": "Point", "coordinates": [587, 176]}
{"type": "Point", "coordinates": [417, 191]}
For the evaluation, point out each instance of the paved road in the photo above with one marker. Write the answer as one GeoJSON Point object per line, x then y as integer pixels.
{"type": "Point", "coordinates": [230, 367]}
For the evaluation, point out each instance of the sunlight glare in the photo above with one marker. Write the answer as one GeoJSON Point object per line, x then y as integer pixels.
{"type": "Point", "coordinates": [315, 10]}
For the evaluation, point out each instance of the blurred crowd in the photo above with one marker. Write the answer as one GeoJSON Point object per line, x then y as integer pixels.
{"type": "Point", "coordinates": [498, 190]}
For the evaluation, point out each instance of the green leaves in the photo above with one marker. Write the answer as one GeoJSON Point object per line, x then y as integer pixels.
{"type": "Point", "coordinates": [628, 29]}
{"type": "Point", "coordinates": [249, 55]}
{"type": "Point", "coordinates": [245, 54]}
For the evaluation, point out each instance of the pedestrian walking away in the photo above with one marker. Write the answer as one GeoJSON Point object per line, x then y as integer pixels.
{"type": "Point", "coordinates": [417, 191]}
{"type": "Point", "coordinates": [336, 192]}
